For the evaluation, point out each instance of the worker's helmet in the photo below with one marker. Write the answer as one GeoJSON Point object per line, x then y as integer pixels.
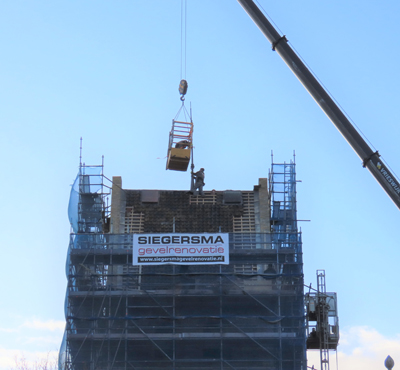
{"type": "Point", "coordinates": [201, 169]}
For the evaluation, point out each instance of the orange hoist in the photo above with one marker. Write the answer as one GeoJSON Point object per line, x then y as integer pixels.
{"type": "Point", "coordinates": [180, 145]}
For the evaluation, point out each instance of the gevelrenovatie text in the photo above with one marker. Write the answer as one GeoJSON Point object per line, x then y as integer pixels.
{"type": "Point", "coordinates": [180, 250]}
{"type": "Point", "coordinates": [151, 240]}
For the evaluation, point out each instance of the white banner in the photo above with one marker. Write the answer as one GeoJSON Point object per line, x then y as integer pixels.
{"type": "Point", "coordinates": [180, 249]}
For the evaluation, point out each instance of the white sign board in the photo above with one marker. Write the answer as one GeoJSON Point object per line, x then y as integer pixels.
{"type": "Point", "coordinates": [180, 249]}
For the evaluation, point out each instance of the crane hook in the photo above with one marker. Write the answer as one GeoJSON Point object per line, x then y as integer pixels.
{"type": "Point", "coordinates": [183, 86]}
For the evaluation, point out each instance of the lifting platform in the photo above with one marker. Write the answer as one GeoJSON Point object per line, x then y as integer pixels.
{"type": "Point", "coordinates": [179, 146]}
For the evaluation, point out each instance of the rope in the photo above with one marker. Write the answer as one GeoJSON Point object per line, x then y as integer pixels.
{"type": "Point", "coordinates": [186, 114]}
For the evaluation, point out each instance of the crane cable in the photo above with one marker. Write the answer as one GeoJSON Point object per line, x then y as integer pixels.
{"type": "Point", "coordinates": [183, 86]}
{"type": "Point", "coordinates": [183, 38]}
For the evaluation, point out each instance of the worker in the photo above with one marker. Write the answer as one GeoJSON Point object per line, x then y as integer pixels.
{"type": "Point", "coordinates": [198, 182]}
{"type": "Point", "coordinates": [183, 144]}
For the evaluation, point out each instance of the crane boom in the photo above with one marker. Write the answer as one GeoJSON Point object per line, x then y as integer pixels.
{"type": "Point", "coordinates": [369, 158]}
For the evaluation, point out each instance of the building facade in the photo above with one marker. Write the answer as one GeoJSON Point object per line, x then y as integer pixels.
{"type": "Point", "coordinates": [245, 314]}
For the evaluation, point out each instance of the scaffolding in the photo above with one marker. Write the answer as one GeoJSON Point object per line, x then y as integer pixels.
{"type": "Point", "coordinates": [196, 317]}
{"type": "Point", "coordinates": [322, 321]}
{"type": "Point", "coordinates": [88, 209]}
{"type": "Point", "coordinates": [283, 201]}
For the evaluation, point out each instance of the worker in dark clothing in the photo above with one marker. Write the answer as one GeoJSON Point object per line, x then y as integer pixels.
{"type": "Point", "coordinates": [198, 182]}
{"type": "Point", "coordinates": [183, 144]}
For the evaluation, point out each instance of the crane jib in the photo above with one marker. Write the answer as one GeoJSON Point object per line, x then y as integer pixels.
{"type": "Point", "coordinates": [386, 175]}
{"type": "Point", "coordinates": [370, 159]}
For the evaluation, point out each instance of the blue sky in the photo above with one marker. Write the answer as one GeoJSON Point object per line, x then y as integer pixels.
{"type": "Point", "coordinates": [109, 72]}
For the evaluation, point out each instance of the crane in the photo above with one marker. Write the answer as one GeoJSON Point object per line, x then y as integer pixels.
{"type": "Point", "coordinates": [369, 158]}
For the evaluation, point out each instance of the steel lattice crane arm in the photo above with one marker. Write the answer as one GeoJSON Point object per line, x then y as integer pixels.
{"type": "Point", "coordinates": [370, 159]}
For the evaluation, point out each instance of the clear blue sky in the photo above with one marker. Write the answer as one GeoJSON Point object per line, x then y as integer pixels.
{"type": "Point", "coordinates": [108, 71]}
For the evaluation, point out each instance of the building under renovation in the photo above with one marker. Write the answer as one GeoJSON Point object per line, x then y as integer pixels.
{"type": "Point", "coordinates": [162, 279]}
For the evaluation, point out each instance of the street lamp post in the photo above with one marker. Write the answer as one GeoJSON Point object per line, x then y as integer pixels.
{"type": "Point", "coordinates": [389, 363]}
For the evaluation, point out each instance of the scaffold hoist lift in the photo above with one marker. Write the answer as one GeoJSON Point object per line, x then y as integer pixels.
{"type": "Point", "coordinates": [180, 145]}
